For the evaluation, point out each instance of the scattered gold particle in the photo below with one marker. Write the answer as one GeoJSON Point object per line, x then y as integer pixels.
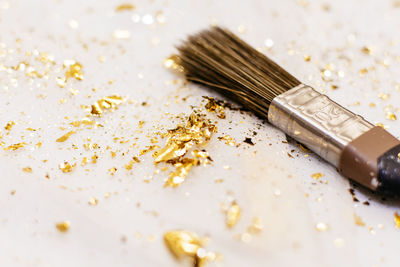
{"type": "Point", "coordinates": [317, 175]}
{"type": "Point", "coordinates": [84, 161]}
{"type": "Point", "coordinates": [38, 144]}
{"type": "Point", "coordinates": [321, 227]}
{"type": "Point", "coordinates": [188, 244]}
{"type": "Point", "coordinates": [391, 116]}
{"type": "Point", "coordinates": [213, 106]}
{"type": "Point", "coordinates": [15, 146]}
{"type": "Point", "coordinates": [384, 96]}
{"type": "Point", "coordinates": [366, 50]}
{"type": "Point", "coordinates": [9, 125]}
{"type": "Point", "coordinates": [122, 34]}
{"type": "Point", "coordinates": [66, 167]}
{"type": "Point", "coordinates": [358, 221]}
{"type": "Point", "coordinates": [65, 137]}
{"type": "Point", "coordinates": [27, 169]}
{"type": "Point", "coordinates": [397, 220]}
{"type": "Point", "coordinates": [229, 140]}
{"type": "Point", "coordinates": [256, 226]}
{"type": "Point", "coordinates": [112, 170]}
{"type": "Point", "coordinates": [129, 165]}
{"type": "Point", "coordinates": [125, 7]}
{"type": "Point", "coordinates": [106, 103]}
{"type": "Point", "coordinates": [307, 58]}
{"type": "Point", "coordinates": [372, 105]}
{"type": "Point", "coordinates": [363, 71]}
{"type": "Point", "coordinates": [173, 63]}
{"type": "Point", "coordinates": [73, 70]}
{"type": "Point", "coordinates": [93, 201]}
{"type": "Point", "coordinates": [84, 121]}
{"type": "Point", "coordinates": [63, 226]}
{"type": "Point", "coordinates": [232, 215]}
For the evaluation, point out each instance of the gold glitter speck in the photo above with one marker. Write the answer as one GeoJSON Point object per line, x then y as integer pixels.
{"type": "Point", "coordinates": [358, 221]}
{"type": "Point", "coordinates": [232, 215]}
{"type": "Point", "coordinates": [63, 226]}
{"type": "Point", "coordinates": [27, 169]}
{"type": "Point", "coordinates": [74, 70]}
{"type": "Point", "coordinates": [106, 103]}
{"type": "Point", "coordinates": [93, 201]}
{"type": "Point", "coordinates": [391, 116]}
{"type": "Point", "coordinates": [15, 146]}
{"type": "Point", "coordinates": [66, 167]}
{"type": "Point", "coordinates": [9, 125]}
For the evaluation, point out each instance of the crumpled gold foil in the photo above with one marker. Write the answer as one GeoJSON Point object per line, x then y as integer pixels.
{"type": "Point", "coordinates": [74, 70]}
{"type": "Point", "coordinates": [213, 106]}
{"type": "Point", "coordinates": [15, 146]}
{"type": "Point", "coordinates": [196, 132]}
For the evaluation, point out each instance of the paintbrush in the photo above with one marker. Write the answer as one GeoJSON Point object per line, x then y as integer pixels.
{"type": "Point", "coordinates": [365, 153]}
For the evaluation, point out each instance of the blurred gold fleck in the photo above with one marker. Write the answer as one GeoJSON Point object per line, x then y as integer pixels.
{"type": "Point", "coordinates": [112, 170]}
{"type": "Point", "coordinates": [321, 227]}
{"type": "Point", "coordinates": [65, 137]}
{"type": "Point", "coordinates": [391, 116]}
{"type": "Point", "coordinates": [317, 175]}
{"type": "Point", "coordinates": [384, 96]}
{"type": "Point", "coordinates": [173, 63]}
{"type": "Point", "coordinates": [256, 226]}
{"type": "Point", "coordinates": [27, 169]}
{"type": "Point", "coordinates": [84, 161]}
{"type": "Point", "coordinates": [363, 71]}
{"type": "Point", "coordinates": [307, 58]}
{"type": "Point", "coordinates": [358, 220]}
{"type": "Point", "coordinates": [232, 215]}
{"type": "Point", "coordinates": [397, 220]}
{"type": "Point", "coordinates": [93, 201]}
{"type": "Point", "coordinates": [63, 226]}
{"type": "Point", "coordinates": [74, 70]}
{"type": "Point", "coordinates": [125, 7]}
{"type": "Point", "coordinates": [229, 140]}
{"type": "Point", "coordinates": [366, 50]}
{"type": "Point", "coordinates": [372, 105]}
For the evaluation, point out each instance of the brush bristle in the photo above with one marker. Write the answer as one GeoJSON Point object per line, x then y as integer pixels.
{"type": "Point", "coordinates": [219, 59]}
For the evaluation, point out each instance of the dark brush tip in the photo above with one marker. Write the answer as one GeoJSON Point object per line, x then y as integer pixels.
{"type": "Point", "coordinates": [389, 172]}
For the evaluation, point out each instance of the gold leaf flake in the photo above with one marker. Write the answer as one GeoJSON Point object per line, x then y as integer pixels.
{"type": "Point", "coordinates": [232, 215]}
{"type": "Point", "coordinates": [229, 140]}
{"type": "Point", "coordinates": [106, 103]}
{"type": "Point", "coordinates": [358, 221]}
{"type": "Point", "coordinates": [66, 167]}
{"type": "Point", "coordinates": [366, 50]}
{"type": "Point", "coordinates": [112, 170]}
{"type": "Point", "coordinates": [182, 170]}
{"type": "Point", "coordinates": [125, 7]}
{"type": "Point", "coordinates": [15, 146]}
{"type": "Point", "coordinates": [65, 137]}
{"type": "Point", "coordinates": [63, 226]}
{"type": "Point", "coordinates": [84, 161]}
{"type": "Point", "coordinates": [213, 106]}
{"type": "Point", "coordinates": [363, 71]}
{"type": "Point", "coordinates": [38, 144]}
{"type": "Point", "coordinates": [384, 96]}
{"type": "Point", "coordinates": [307, 58]}
{"type": "Point", "coordinates": [397, 220]}
{"type": "Point", "coordinates": [9, 125]}
{"type": "Point", "coordinates": [188, 244]}
{"type": "Point", "coordinates": [84, 121]}
{"type": "Point", "coordinates": [317, 175]}
{"type": "Point", "coordinates": [74, 70]}
{"type": "Point", "coordinates": [256, 226]}
{"type": "Point", "coordinates": [129, 165]}
{"type": "Point", "coordinates": [27, 169]}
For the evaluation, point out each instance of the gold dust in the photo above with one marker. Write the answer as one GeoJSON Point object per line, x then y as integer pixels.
{"type": "Point", "coordinates": [27, 169]}
{"type": "Point", "coordinates": [93, 201]}
{"type": "Point", "coordinates": [384, 96]}
{"type": "Point", "coordinates": [256, 227]}
{"type": "Point", "coordinates": [129, 165]}
{"type": "Point", "coordinates": [372, 105]}
{"type": "Point", "coordinates": [84, 161]}
{"type": "Point", "coordinates": [232, 215]}
{"type": "Point", "coordinates": [307, 58]}
{"type": "Point", "coordinates": [173, 63]}
{"type": "Point", "coordinates": [358, 221]}
{"type": "Point", "coordinates": [363, 71]}
{"type": "Point", "coordinates": [66, 167]}
{"type": "Point", "coordinates": [15, 146]}
{"type": "Point", "coordinates": [65, 137]}
{"type": "Point", "coordinates": [321, 227]}
{"type": "Point", "coordinates": [105, 103]}
{"type": "Point", "coordinates": [391, 116]}
{"type": "Point", "coordinates": [125, 7]}
{"type": "Point", "coordinates": [317, 175]}
{"type": "Point", "coordinates": [38, 144]}
{"type": "Point", "coordinates": [84, 121]}
{"type": "Point", "coordinates": [9, 125]}
{"type": "Point", "coordinates": [63, 226]}
{"type": "Point", "coordinates": [188, 244]}
{"type": "Point", "coordinates": [367, 50]}
{"type": "Point", "coordinates": [397, 220]}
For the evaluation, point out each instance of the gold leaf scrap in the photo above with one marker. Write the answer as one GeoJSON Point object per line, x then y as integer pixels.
{"type": "Point", "coordinates": [65, 137]}
{"type": "Point", "coordinates": [125, 7]}
{"type": "Point", "coordinates": [15, 146]}
{"type": "Point", "coordinates": [66, 167]}
{"type": "Point", "coordinates": [106, 103]}
{"type": "Point", "coordinates": [63, 226]}
{"type": "Point", "coordinates": [232, 215]}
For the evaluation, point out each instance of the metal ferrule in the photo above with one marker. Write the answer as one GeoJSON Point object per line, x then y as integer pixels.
{"type": "Point", "coordinates": [316, 121]}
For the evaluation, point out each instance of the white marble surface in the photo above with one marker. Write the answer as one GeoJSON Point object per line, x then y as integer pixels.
{"type": "Point", "coordinates": [263, 180]}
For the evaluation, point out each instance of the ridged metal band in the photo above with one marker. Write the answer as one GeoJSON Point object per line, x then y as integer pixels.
{"type": "Point", "coordinates": [316, 121]}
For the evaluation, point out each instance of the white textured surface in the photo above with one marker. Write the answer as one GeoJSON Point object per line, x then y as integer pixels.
{"type": "Point", "coordinates": [28, 236]}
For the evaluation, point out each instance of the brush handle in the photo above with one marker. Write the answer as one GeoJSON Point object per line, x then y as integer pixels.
{"type": "Point", "coordinates": [344, 139]}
